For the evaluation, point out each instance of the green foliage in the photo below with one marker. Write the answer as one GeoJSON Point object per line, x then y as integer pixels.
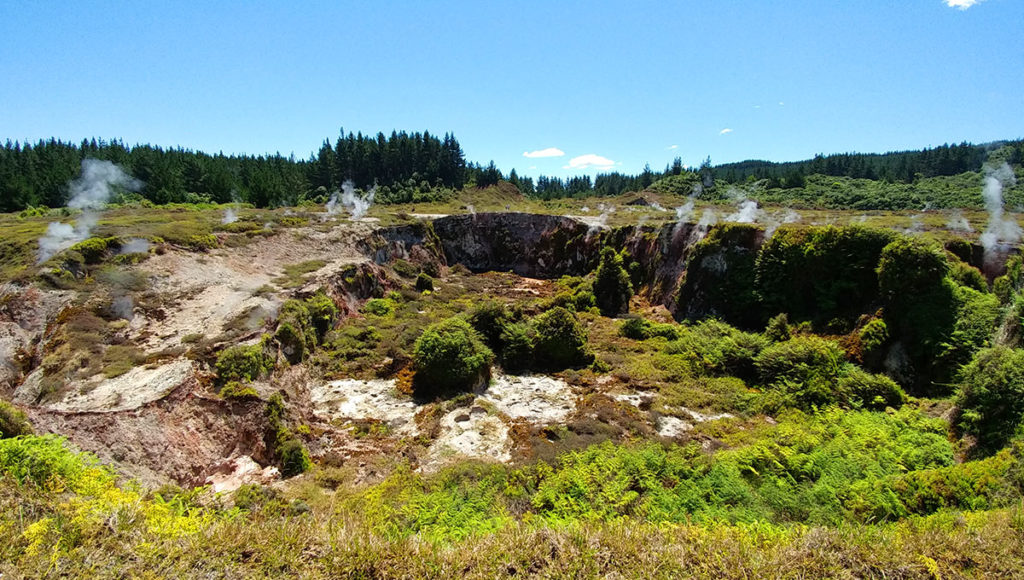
{"type": "Point", "coordinates": [424, 282]}
{"type": "Point", "coordinates": [449, 357]}
{"type": "Point", "coordinates": [991, 396]}
{"type": "Point", "coordinates": [778, 328]}
{"type": "Point", "coordinates": [47, 461]}
{"type": "Point", "coordinates": [720, 277]}
{"type": "Point", "coordinates": [861, 389]}
{"type": "Point", "coordinates": [639, 328]}
{"type": "Point", "coordinates": [490, 318]}
{"type": "Point", "coordinates": [907, 268]}
{"type": "Point", "coordinates": [243, 363]}
{"type": "Point", "coordinates": [379, 307]}
{"type": "Point", "coordinates": [718, 348]}
{"type": "Point", "coordinates": [234, 390]}
{"type": "Point", "coordinates": [323, 313]}
{"type": "Point", "coordinates": [612, 288]}
{"type": "Point", "coordinates": [283, 443]}
{"type": "Point", "coordinates": [800, 359]}
{"type": "Point", "coordinates": [295, 333]}
{"type": "Point", "coordinates": [561, 341]}
{"type": "Point", "coordinates": [518, 343]}
{"type": "Point", "coordinates": [13, 421]}
{"type": "Point", "coordinates": [820, 274]}
{"type": "Point", "coordinates": [202, 242]}
{"type": "Point", "coordinates": [94, 250]}
{"type": "Point", "coordinates": [968, 276]}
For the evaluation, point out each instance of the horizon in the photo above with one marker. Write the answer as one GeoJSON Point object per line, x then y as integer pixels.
{"type": "Point", "coordinates": [536, 89]}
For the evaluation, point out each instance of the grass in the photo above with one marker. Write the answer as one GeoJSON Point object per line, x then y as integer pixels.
{"type": "Point", "coordinates": [295, 274]}
{"type": "Point", "coordinates": [71, 519]}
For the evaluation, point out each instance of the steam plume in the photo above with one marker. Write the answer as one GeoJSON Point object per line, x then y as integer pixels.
{"type": "Point", "coordinates": [958, 223]}
{"type": "Point", "coordinates": [89, 193]}
{"type": "Point", "coordinates": [1001, 229]}
{"type": "Point", "coordinates": [355, 204]}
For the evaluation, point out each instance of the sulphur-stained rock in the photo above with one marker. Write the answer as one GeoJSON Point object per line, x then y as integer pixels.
{"type": "Point", "coordinates": [137, 387]}
{"type": "Point", "coordinates": [538, 399]}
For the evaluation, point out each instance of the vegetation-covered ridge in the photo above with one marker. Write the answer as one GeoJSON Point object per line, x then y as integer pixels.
{"type": "Point", "coordinates": [420, 167]}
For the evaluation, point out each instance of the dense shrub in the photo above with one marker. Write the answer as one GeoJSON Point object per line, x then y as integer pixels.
{"type": "Point", "coordinates": [379, 307]}
{"type": "Point", "coordinates": [561, 340]}
{"type": "Point", "coordinates": [861, 389]}
{"type": "Point", "coordinates": [202, 242]}
{"type": "Point", "coordinates": [820, 274]}
{"type": "Point", "coordinates": [517, 339]}
{"type": "Point", "coordinates": [243, 363]}
{"type": "Point", "coordinates": [802, 370]}
{"type": "Point", "coordinates": [612, 288]}
{"type": "Point", "coordinates": [13, 422]}
{"type": "Point", "coordinates": [720, 277]}
{"type": "Point", "coordinates": [291, 453]}
{"type": "Point", "coordinates": [639, 328]}
{"type": "Point", "coordinates": [490, 318]}
{"type": "Point", "coordinates": [778, 328]}
{"type": "Point", "coordinates": [323, 313]}
{"type": "Point", "coordinates": [450, 356]}
{"type": "Point", "coordinates": [294, 333]}
{"type": "Point", "coordinates": [720, 348]}
{"type": "Point", "coordinates": [908, 268]}
{"type": "Point", "coordinates": [991, 396]}
{"type": "Point", "coordinates": [93, 250]}
{"type": "Point", "coordinates": [424, 282]}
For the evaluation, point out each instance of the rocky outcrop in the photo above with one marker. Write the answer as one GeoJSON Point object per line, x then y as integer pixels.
{"type": "Point", "coordinates": [531, 245]}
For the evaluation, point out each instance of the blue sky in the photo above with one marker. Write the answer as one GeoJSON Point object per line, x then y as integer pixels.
{"type": "Point", "coordinates": [623, 82]}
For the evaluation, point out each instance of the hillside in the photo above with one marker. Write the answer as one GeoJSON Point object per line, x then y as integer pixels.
{"type": "Point", "coordinates": [483, 383]}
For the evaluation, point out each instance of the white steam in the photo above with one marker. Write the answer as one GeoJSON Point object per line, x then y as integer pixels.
{"type": "Point", "coordinates": [746, 213]}
{"type": "Point", "coordinates": [356, 205]}
{"type": "Point", "coordinates": [1001, 229]}
{"type": "Point", "coordinates": [123, 307]}
{"type": "Point", "coordinates": [135, 246]}
{"type": "Point", "coordinates": [958, 223]}
{"type": "Point", "coordinates": [89, 193]}
{"type": "Point", "coordinates": [230, 216]}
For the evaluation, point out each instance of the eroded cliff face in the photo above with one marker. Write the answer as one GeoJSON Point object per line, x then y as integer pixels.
{"type": "Point", "coordinates": [541, 246]}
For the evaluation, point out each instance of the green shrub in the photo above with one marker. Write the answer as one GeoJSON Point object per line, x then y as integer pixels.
{"type": "Point", "coordinates": [490, 318]}
{"type": "Point", "coordinates": [243, 363]}
{"type": "Point", "coordinates": [969, 276]}
{"type": "Point", "coordinates": [234, 390]}
{"type": "Point", "coordinates": [405, 269]}
{"type": "Point", "coordinates": [861, 389]}
{"type": "Point", "coordinates": [286, 446]}
{"type": "Point", "coordinates": [93, 250]}
{"type": "Point", "coordinates": [909, 267]}
{"type": "Point", "coordinates": [517, 352]}
{"type": "Point", "coordinates": [991, 396]}
{"type": "Point", "coordinates": [295, 332]}
{"type": "Point", "coordinates": [379, 307]}
{"type": "Point", "coordinates": [48, 462]}
{"type": "Point", "coordinates": [778, 328]}
{"type": "Point", "coordinates": [450, 356]}
{"type": "Point", "coordinates": [720, 277]}
{"type": "Point", "coordinates": [294, 457]}
{"type": "Point", "coordinates": [802, 370]}
{"type": "Point", "coordinates": [612, 288]}
{"type": "Point", "coordinates": [820, 274]}
{"type": "Point", "coordinates": [639, 328]}
{"type": "Point", "coordinates": [720, 348]}
{"type": "Point", "coordinates": [323, 313]}
{"type": "Point", "coordinates": [424, 282]}
{"type": "Point", "coordinates": [202, 242]}
{"type": "Point", "coordinates": [13, 421]}
{"type": "Point", "coordinates": [561, 340]}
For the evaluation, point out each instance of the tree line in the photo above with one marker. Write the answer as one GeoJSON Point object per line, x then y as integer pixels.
{"type": "Point", "coordinates": [402, 165]}
{"type": "Point", "coordinates": [897, 166]}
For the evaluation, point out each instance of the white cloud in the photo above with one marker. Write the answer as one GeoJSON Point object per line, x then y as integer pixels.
{"type": "Point", "coordinates": [725, 131]}
{"type": "Point", "coordinates": [781, 104]}
{"type": "Point", "coordinates": [757, 106]}
{"type": "Point", "coordinates": [532, 167]}
{"type": "Point", "coordinates": [589, 160]}
{"type": "Point", "coordinates": [673, 147]}
{"type": "Point", "coordinates": [961, 4]}
{"type": "Point", "coordinates": [549, 152]}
